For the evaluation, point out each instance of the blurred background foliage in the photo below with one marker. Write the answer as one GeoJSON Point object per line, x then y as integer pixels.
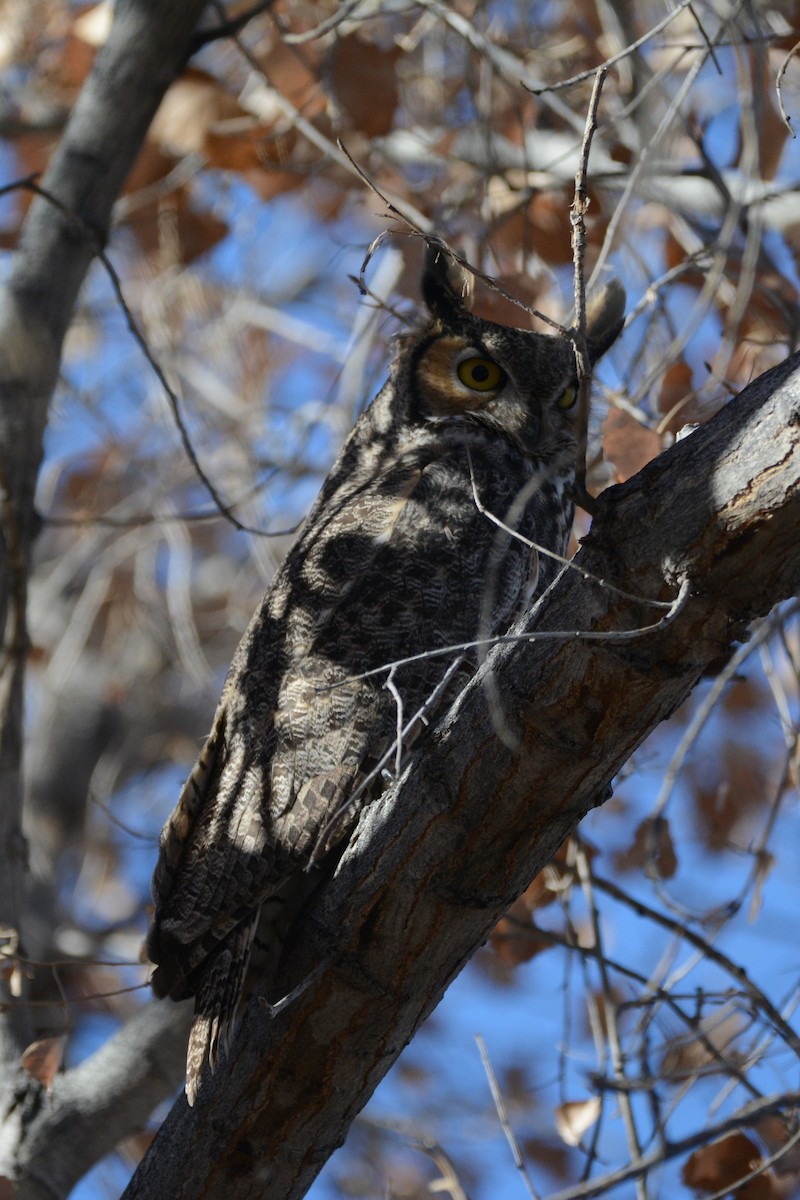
{"type": "Point", "coordinates": [644, 988]}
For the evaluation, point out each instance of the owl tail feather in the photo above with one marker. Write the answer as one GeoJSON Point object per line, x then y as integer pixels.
{"type": "Point", "coordinates": [216, 1003]}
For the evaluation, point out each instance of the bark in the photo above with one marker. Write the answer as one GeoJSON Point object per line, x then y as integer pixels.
{"type": "Point", "coordinates": [146, 49]}
{"type": "Point", "coordinates": [532, 744]}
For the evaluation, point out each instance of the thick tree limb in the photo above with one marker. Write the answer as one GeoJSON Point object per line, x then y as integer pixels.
{"type": "Point", "coordinates": [93, 1107]}
{"type": "Point", "coordinates": [437, 859]}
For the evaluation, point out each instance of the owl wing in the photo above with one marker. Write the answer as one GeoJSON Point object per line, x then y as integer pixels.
{"type": "Point", "coordinates": [294, 736]}
{"type": "Point", "coordinates": [246, 820]}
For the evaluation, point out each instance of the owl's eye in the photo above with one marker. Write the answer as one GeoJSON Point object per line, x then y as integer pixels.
{"type": "Point", "coordinates": [480, 374]}
{"type": "Point", "coordinates": [567, 398]}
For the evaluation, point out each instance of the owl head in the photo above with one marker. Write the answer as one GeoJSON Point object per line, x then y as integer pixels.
{"type": "Point", "coordinates": [516, 383]}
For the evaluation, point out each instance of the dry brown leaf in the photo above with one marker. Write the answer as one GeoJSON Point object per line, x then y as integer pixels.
{"type": "Point", "coordinates": [514, 940]}
{"type": "Point", "coordinates": [548, 1153]}
{"type": "Point", "coordinates": [574, 1117]}
{"type": "Point", "coordinates": [296, 76]}
{"type": "Point", "coordinates": [730, 790]}
{"type": "Point", "coordinates": [362, 77]}
{"type": "Point", "coordinates": [771, 131]}
{"type": "Point", "coordinates": [41, 1060]}
{"type": "Point", "coordinates": [718, 1166]}
{"type": "Point", "coordinates": [775, 1132]}
{"type": "Point", "coordinates": [554, 879]}
{"type": "Point", "coordinates": [688, 1056]}
{"type": "Point", "coordinates": [76, 60]}
{"type": "Point", "coordinates": [191, 233]}
{"type": "Point", "coordinates": [11, 972]}
{"type": "Point", "coordinates": [413, 1073]}
{"type": "Point", "coordinates": [653, 849]}
{"type": "Point", "coordinates": [93, 25]}
{"type": "Point", "coordinates": [744, 695]}
{"type": "Point", "coordinates": [676, 399]}
{"type": "Point", "coordinates": [199, 115]}
{"type": "Point", "coordinates": [548, 213]}
{"type": "Point", "coordinates": [134, 1148]}
{"type": "Point", "coordinates": [675, 254]}
{"type": "Point", "coordinates": [251, 147]}
{"type": "Point", "coordinates": [765, 865]}
{"type": "Point", "coordinates": [628, 444]}
{"type": "Point", "coordinates": [194, 105]}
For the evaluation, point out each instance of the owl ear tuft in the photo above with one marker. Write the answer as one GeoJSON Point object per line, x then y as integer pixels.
{"type": "Point", "coordinates": [605, 317]}
{"type": "Point", "coordinates": [446, 287]}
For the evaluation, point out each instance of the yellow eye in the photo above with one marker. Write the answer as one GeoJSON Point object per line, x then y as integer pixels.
{"type": "Point", "coordinates": [567, 398]}
{"type": "Point", "coordinates": [481, 374]}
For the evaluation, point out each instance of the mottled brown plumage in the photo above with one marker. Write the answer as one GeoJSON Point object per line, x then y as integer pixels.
{"type": "Point", "coordinates": [396, 558]}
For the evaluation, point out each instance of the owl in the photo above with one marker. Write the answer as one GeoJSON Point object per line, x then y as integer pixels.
{"type": "Point", "coordinates": [418, 547]}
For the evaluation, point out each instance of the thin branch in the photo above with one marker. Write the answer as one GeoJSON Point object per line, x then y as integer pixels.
{"type": "Point", "coordinates": [710, 952]}
{"type": "Point", "coordinates": [779, 87]}
{"type": "Point", "coordinates": [745, 1117]}
{"type": "Point", "coordinates": [93, 239]}
{"type": "Point", "coordinates": [345, 10]}
{"type": "Point", "coordinates": [652, 993]}
{"type": "Point", "coordinates": [426, 1144]}
{"type": "Point", "coordinates": [421, 227]}
{"type": "Point", "coordinates": [610, 1010]}
{"type": "Point", "coordinates": [541, 635]}
{"type": "Point", "coordinates": [502, 1113]}
{"type": "Point", "coordinates": [228, 27]}
{"type": "Point", "coordinates": [610, 62]}
{"type": "Point", "coordinates": [569, 563]}
{"type": "Point", "coordinates": [583, 366]}
{"type": "Point", "coordinates": [704, 710]}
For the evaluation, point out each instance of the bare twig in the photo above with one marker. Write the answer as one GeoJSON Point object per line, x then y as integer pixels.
{"type": "Point", "coordinates": [745, 1117]}
{"type": "Point", "coordinates": [583, 366]}
{"type": "Point", "coordinates": [765, 630]}
{"type": "Point", "coordinates": [779, 87]}
{"type": "Point", "coordinates": [610, 1010]}
{"type": "Point", "coordinates": [610, 62]}
{"type": "Point", "coordinates": [502, 1113]}
{"type": "Point", "coordinates": [559, 558]}
{"type": "Point", "coordinates": [92, 238]}
{"type": "Point", "coordinates": [343, 13]}
{"type": "Point", "coordinates": [421, 228]}
{"type": "Point", "coordinates": [569, 635]}
{"type": "Point", "coordinates": [229, 26]}
{"type": "Point", "coordinates": [681, 930]}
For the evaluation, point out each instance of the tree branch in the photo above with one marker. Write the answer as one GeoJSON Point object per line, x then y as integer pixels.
{"type": "Point", "coordinates": [436, 860]}
{"type": "Point", "coordinates": [92, 1107]}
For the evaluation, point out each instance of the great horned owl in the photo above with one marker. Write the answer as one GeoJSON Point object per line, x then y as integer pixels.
{"type": "Point", "coordinates": [399, 556]}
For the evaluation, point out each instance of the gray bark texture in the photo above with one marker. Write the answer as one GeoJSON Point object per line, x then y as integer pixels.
{"type": "Point", "coordinates": [437, 860]}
